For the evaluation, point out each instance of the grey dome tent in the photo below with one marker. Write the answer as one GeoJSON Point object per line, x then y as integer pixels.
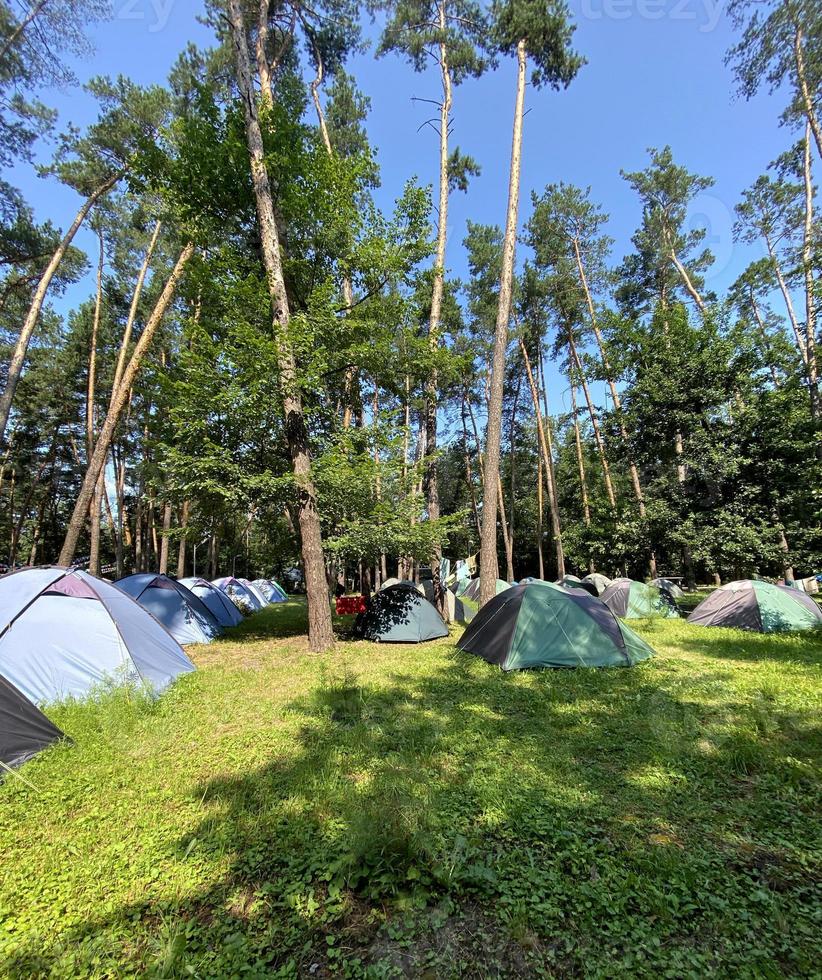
{"type": "Point", "coordinates": [183, 614]}
{"type": "Point", "coordinates": [545, 625]}
{"type": "Point", "coordinates": [215, 600]}
{"type": "Point", "coordinates": [252, 588]}
{"type": "Point", "coordinates": [572, 582]}
{"type": "Point", "coordinates": [24, 729]}
{"type": "Point", "coordinates": [399, 614]}
{"type": "Point", "coordinates": [64, 632]}
{"type": "Point", "coordinates": [637, 600]}
{"type": "Point", "coordinates": [666, 585]}
{"type": "Point", "coordinates": [759, 606]}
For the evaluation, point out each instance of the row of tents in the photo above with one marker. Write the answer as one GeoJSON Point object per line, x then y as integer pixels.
{"type": "Point", "coordinates": [65, 633]}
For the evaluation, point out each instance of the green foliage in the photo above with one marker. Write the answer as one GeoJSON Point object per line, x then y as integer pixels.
{"type": "Point", "coordinates": [546, 30]}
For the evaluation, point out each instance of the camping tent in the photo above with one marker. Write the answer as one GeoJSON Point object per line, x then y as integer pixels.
{"type": "Point", "coordinates": [666, 585]}
{"type": "Point", "coordinates": [240, 594]}
{"type": "Point", "coordinates": [457, 611]}
{"type": "Point", "coordinates": [759, 606]}
{"type": "Point", "coordinates": [399, 614]}
{"type": "Point", "coordinates": [572, 582]}
{"type": "Point", "coordinates": [473, 590]}
{"type": "Point", "coordinates": [389, 583]}
{"type": "Point", "coordinates": [63, 632]}
{"type": "Point", "coordinates": [252, 588]}
{"type": "Point", "coordinates": [636, 600]}
{"type": "Point", "coordinates": [183, 613]}
{"type": "Point", "coordinates": [599, 581]}
{"type": "Point", "coordinates": [544, 625]}
{"type": "Point", "coordinates": [215, 600]}
{"type": "Point", "coordinates": [24, 729]}
{"type": "Point", "coordinates": [270, 591]}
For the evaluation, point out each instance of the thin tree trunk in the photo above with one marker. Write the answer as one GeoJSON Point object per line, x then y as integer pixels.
{"type": "Point", "coordinates": [119, 397]}
{"type": "Point", "coordinates": [181, 553]}
{"type": "Point", "coordinates": [138, 535]}
{"type": "Point", "coordinates": [540, 510]}
{"type": "Point", "coordinates": [810, 291]}
{"type": "Point", "coordinates": [11, 40]}
{"type": "Point", "coordinates": [320, 630]}
{"type": "Point", "coordinates": [583, 482]}
{"type": "Point", "coordinates": [787, 567]}
{"type": "Point", "coordinates": [786, 295]}
{"type": "Point", "coordinates": [164, 538]}
{"type": "Point", "coordinates": [547, 456]}
{"type": "Point", "coordinates": [468, 471]}
{"type": "Point", "coordinates": [488, 542]}
{"type": "Point", "coordinates": [18, 357]}
{"type": "Point", "coordinates": [810, 111]}
{"type": "Point", "coordinates": [606, 469]}
{"type": "Point", "coordinates": [691, 290]}
{"type": "Point", "coordinates": [91, 424]}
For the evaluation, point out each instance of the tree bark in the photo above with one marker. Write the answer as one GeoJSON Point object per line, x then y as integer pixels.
{"type": "Point", "coordinates": [119, 397]}
{"type": "Point", "coordinates": [488, 542]}
{"type": "Point", "coordinates": [583, 482]}
{"type": "Point", "coordinates": [810, 111]}
{"type": "Point", "coordinates": [553, 503]}
{"type": "Point", "coordinates": [540, 512]}
{"type": "Point", "coordinates": [606, 469]}
{"type": "Point", "coordinates": [786, 295]}
{"type": "Point", "coordinates": [18, 357]}
{"type": "Point", "coordinates": [810, 290]}
{"type": "Point", "coordinates": [320, 631]}
{"type": "Point", "coordinates": [91, 423]}
{"type": "Point", "coordinates": [181, 553]}
{"type": "Point", "coordinates": [164, 539]}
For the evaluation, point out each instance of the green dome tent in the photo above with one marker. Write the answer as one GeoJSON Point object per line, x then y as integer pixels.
{"type": "Point", "coordinates": [759, 606]}
{"type": "Point", "coordinates": [399, 614]}
{"type": "Point", "coordinates": [636, 600]}
{"type": "Point", "coordinates": [473, 590]}
{"type": "Point", "coordinates": [543, 625]}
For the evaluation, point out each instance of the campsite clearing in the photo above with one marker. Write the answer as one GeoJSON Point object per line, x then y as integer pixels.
{"type": "Point", "coordinates": [391, 810]}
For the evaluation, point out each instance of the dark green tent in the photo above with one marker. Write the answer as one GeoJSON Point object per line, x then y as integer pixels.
{"type": "Point", "coordinates": [544, 625]}
{"type": "Point", "coordinates": [400, 614]}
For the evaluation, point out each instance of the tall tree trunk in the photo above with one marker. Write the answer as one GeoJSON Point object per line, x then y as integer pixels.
{"type": "Point", "coordinates": [583, 482]}
{"type": "Point", "coordinates": [786, 295]}
{"type": "Point", "coordinates": [548, 463]}
{"type": "Point", "coordinates": [787, 567]}
{"type": "Point", "coordinates": [320, 630]}
{"type": "Point", "coordinates": [138, 534]}
{"type": "Point", "coordinates": [810, 290]}
{"type": "Point", "coordinates": [18, 357]}
{"type": "Point", "coordinates": [437, 289]}
{"type": "Point", "coordinates": [488, 543]}
{"type": "Point", "coordinates": [91, 422]}
{"type": "Point", "coordinates": [469, 475]}
{"type": "Point", "coordinates": [181, 553]}
{"type": "Point", "coordinates": [11, 40]}
{"type": "Point", "coordinates": [763, 334]}
{"type": "Point", "coordinates": [119, 397]}
{"type": "Point", "coordinates": [807, 101]}
{"type": "Point", "coordinates": [606, 469]}
{"type": "Point", "coordinates": [603, 354]}
{"type": "Point", "coordinates": [540, 512]}
{"type": "Point", "coordinates": [164, 539]}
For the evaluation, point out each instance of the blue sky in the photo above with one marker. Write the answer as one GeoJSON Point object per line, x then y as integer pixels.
{"type": "Point", "coordinates": [655, 75]}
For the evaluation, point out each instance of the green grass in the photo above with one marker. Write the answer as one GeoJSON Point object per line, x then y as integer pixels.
{"type": "Point", "coordinates": [402, 810]}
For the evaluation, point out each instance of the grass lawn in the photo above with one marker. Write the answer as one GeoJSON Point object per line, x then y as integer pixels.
{"type": "Point", "coordinates": [402, 810]}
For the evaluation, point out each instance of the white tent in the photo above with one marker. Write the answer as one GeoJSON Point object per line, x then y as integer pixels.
{"type": "Point", "coordinates": [64, 632]}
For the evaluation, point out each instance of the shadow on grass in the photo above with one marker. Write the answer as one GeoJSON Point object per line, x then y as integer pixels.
{"type": "Point", "coordinates": [576, 819]}
{"type": "Point", "coordinates": [279, 621]}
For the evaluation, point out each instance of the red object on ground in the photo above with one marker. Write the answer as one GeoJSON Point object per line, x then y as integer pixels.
{"type": "Point", "coordinates": [350, 605]}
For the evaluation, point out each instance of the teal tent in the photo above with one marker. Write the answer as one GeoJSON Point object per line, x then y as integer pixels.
{"type": "Point", "coordinates": [544, 625]}
{"type": "Point", "coordinates": [636, 600]}
{"type": "Point", "coordinates": [399, 614]}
